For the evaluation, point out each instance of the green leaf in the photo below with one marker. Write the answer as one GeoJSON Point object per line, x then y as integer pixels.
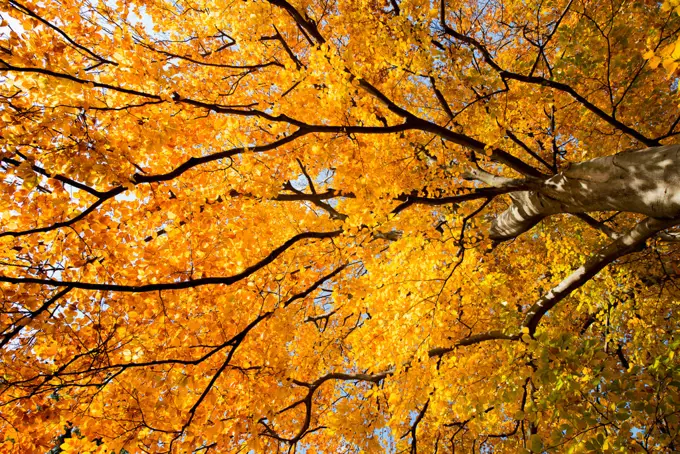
{"type": "Point", "coordinates": [536, 443]}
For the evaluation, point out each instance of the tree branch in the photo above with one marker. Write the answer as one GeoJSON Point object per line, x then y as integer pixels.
{"type": "Point", "coordinates": [627, 243]}
{"type": "Point", "coordinates": [536, 80]}
{"type": "Point", "coordinates": [224, 280]}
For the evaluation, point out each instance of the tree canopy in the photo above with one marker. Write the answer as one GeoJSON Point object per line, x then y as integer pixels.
{"type": "Point", "coordinates": [339, 226]}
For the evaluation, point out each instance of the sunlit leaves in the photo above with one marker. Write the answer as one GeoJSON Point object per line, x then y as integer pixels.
{"type": "Point", "coordinates": [175, 144]}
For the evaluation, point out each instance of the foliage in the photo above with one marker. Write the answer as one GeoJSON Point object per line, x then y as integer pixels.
{"type": "Point", "coordinates": [234, 226]}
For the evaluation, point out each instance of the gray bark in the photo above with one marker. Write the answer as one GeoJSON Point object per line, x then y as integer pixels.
{"type": "Point", "coordinates": [645, 181]}
{"type": "Point", "coordinates": [628, 242]}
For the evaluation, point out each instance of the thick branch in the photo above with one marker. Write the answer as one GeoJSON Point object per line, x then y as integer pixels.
{"type": "Point", "coordinates": [645, 181]}
{"type": "Point", "coordinates": [473, 340]}
{"type": "Point", "coordinates": [626, 244]}
{"type": "Point", "coordinates": [312, 387]}
{"type": "Point", "coordinates": [307, 24]}
{"type": "Point", "coordinates": [476, 194]}
{"type": "Point", "coordinates": [223, 280]}
{"type": "Point", "coordinates": [60, 178]}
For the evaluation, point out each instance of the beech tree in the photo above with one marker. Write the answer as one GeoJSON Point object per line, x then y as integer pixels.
{"type": "Point", "coordinates": [339, 226]}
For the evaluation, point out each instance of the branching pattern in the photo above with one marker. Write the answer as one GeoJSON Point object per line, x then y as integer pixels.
{"type": "Point", "coordinates": [333, 226]}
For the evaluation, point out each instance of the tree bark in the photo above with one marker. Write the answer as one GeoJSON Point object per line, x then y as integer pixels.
{"type": "Point", "coordinates": [644, 181]}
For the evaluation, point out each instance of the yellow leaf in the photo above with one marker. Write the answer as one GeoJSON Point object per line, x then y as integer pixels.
{"type": "Point", "coordinates": [670, 65]}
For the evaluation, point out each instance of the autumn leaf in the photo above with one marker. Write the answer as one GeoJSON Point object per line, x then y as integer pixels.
{"type": "Point", "coordinates": [339, 226]}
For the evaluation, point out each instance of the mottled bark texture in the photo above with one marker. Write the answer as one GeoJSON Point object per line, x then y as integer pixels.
{"type": "Point", "coordinates": [645, 181]}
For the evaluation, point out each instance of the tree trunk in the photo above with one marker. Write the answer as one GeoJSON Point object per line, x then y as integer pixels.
{"type": "Point", "coordinates": [645, 181]}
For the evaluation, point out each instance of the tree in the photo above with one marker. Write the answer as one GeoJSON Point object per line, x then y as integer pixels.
{"type": "Point", "coordinates": [337, 226]}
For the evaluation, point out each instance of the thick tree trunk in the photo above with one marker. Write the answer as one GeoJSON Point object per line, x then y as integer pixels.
{"type": "Point", "coordinates": [645, 181]}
